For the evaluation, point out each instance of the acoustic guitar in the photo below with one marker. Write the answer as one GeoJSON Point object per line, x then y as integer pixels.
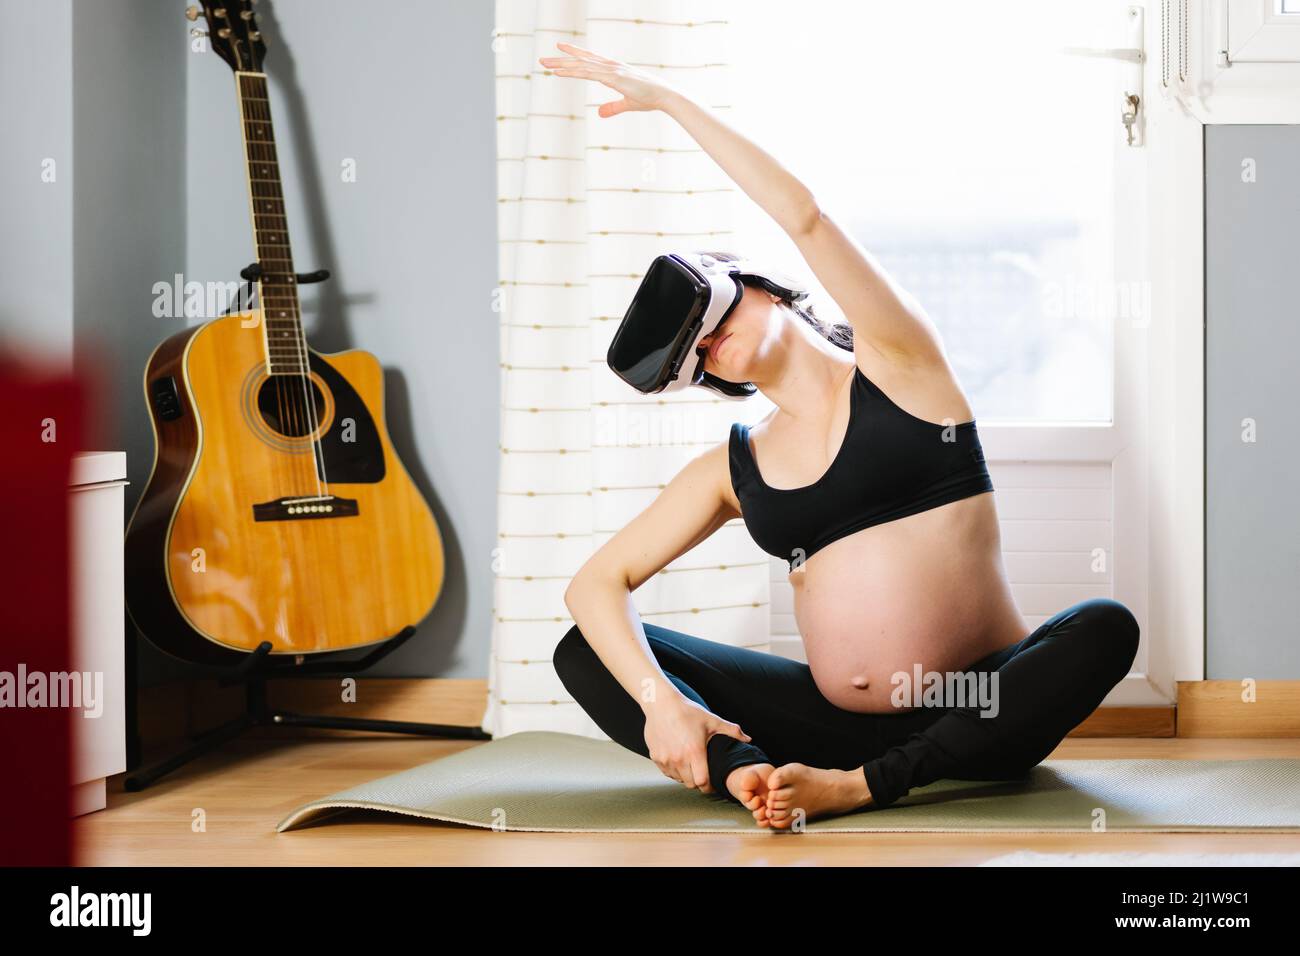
{"type": "Point", "coordinates": [276, 509]}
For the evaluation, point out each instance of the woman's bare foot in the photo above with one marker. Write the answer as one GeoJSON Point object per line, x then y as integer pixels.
{"type": "Point", "coordinates": [748, 784]}
{"type": "Point", "coordinates": [797, 791]}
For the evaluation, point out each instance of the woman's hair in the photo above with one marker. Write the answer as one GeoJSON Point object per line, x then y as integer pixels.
{"type": "Point", "coordinates": [837, 333]}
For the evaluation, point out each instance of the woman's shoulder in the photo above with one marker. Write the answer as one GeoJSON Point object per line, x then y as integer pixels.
{"type": "Point", "coordinates": [747, 435]}
{"type": "Point", "coordinates": [923, 388]}
{"type": "Point", "coordinates": [716, 462]}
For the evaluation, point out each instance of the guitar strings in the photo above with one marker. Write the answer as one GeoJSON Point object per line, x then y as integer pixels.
{"type": "Point", "coordinates": [311, 420]}
{"type": "Point", "coordinates": [291, 425]}
{"type": "Point", "coordinates": [306, 416]}
{"type": "Point", "coordinates": [296, 424]}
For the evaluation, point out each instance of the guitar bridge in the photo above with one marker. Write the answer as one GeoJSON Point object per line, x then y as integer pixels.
{"type": "Point", "coordinates": [302, 509]}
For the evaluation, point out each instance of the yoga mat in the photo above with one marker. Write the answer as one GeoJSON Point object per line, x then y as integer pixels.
{"type": "Point", "coordinates": [553, 782]}
{"type": "Point", "coordinates": [1133, 858]}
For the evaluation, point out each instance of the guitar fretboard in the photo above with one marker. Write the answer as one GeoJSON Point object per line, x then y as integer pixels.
{"type": "Point", "coordinates": [286, 346]}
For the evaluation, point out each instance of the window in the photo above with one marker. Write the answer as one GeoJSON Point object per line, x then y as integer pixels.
{"type": "Point", "coordinates": [1259, 31]}
{"type": "Point", "coordinates": [974, 159]}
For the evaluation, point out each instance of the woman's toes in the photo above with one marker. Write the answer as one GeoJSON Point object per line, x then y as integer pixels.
{"type": "Point", "coordinates": [806, 793]}
{"type": "Point", "coordinates": [780, 777]}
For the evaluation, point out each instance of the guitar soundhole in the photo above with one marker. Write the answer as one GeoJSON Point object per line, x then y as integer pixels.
{"type": "Point", "coordinates": [291, 405]}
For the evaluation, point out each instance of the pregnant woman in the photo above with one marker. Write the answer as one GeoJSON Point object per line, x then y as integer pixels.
{"type": "Point", "coordinates": [869, 479]}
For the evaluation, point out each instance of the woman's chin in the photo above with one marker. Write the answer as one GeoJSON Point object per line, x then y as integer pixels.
{"type": "Point", "coordinates": [725, 369]}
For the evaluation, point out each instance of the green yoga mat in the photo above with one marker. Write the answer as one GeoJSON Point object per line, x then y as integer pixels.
{"type": "Point", "coordinates": [546, 781]}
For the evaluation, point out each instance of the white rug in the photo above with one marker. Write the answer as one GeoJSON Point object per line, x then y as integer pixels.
{"type": "Point", "coordinates": [1034, 858]}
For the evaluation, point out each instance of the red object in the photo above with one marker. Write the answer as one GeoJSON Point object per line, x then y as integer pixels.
{"type": "Point", "coordinates": [35, 742]}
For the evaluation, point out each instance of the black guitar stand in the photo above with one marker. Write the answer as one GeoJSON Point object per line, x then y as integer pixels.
{"type": "Point", "coordinates": [254, 672]}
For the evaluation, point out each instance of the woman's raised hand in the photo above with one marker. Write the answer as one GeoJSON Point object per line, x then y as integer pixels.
{"type": "Point", "coordinates": [641, 91]}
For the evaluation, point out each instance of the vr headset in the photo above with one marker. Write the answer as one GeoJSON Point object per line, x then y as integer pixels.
{"type": "Point", "coordinates": [683, 297]}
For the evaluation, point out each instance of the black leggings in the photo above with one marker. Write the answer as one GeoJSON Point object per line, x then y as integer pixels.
{"type": "Point", "coordinates": [1046, 685]}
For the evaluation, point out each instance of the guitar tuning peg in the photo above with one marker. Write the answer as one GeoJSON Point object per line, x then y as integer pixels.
{"type": "Point", "coordinates": [221, 12]}
{"type": "Point", "coordinates": [245, 14]}
{"type": "Point", "coordinates": [254, 35]}
{"type": "Point", "coordinates": [191, 13]}
{"type": "Point", "coordinates": [224, 33]}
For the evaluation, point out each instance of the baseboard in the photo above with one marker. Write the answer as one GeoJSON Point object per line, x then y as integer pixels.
{"type": "Point", "coordinates": [170, 714]}
{"type": "Point", "coordinates": [1128, 722]}
{"type": "Point", "coordinates": [1215, 708]}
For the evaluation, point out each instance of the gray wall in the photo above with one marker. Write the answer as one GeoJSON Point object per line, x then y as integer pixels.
{"type": "Point", "coordinates": [128, 117]}
{"type": "Point", "coordinates": [152, 129]}
{"type": "Point", "coordinates": [406, 90]}
{"type": "Point", "coordinates": [99, 88]}
{"type": "Point", "coordinates": [36, 240]}
{"type": "Point", "coordinates": [1252, 285]}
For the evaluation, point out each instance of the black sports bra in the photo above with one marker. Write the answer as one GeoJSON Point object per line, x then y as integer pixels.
{"type": "Point", "coordinates": [890, 465]}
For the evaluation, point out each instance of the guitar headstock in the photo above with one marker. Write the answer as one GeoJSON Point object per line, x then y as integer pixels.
{"type": "Point", "coordinates": [233, 33]}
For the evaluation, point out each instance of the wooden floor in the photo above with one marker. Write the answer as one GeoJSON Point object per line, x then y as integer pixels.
{"type": "Point", "coordinates": [250, 785]}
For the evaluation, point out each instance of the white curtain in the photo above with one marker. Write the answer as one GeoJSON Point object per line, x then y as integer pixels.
{"type": "Point", "coordinates": [585, 204]}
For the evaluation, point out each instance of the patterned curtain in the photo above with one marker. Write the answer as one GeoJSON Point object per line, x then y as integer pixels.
{"type": "Point", "coordinates": [584, 205]}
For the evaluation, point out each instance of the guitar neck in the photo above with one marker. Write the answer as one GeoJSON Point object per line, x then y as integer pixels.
{"type": "Point", "coordinates": [286, 345]}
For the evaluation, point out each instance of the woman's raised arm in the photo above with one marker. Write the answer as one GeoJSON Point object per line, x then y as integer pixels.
{"type": "Point", "coordinates": [768, 183]}
{"type": "Point", "coordinates": [882, 314]}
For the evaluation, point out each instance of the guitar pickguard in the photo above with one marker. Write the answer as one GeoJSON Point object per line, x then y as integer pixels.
{"type": "Point", "coordinates": [349, 450]}
{"type": "Point", "coordinates": [352, 454]}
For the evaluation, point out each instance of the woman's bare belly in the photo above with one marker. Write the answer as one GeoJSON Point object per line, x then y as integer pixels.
{"type": "Point", "coordinates": [927, 590]}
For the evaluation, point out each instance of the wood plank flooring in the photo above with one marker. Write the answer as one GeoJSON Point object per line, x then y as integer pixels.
{"type": "Point", "coordinates": [248, 786]}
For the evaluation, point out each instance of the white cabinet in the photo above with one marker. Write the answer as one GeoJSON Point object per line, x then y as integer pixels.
{"type": "Point", "coordinates": [98, 629]}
